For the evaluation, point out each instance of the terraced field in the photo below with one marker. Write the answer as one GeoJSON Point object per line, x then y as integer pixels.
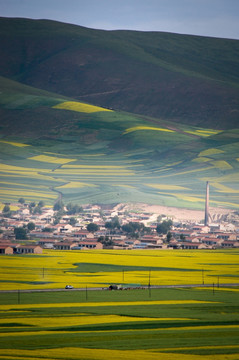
{"type": "Point", "coordinates": [192, 323]}
{"type": "Point", "coordinates": [97, 155]}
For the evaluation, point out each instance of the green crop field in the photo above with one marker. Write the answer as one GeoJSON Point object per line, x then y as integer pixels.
{"type": "Point", "coordinates": [143, 322]}
{"type": "Point", "coordinates": [109, 157]}
{"type": "Point", "coordinates": [163, 324]}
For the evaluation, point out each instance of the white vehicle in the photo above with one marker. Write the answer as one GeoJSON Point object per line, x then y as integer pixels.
{"type": "Point", "coordinates": [69, 287]}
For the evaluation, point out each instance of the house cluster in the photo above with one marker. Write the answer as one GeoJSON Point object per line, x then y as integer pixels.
{"type": "Point", "coordinates": [76, 235]}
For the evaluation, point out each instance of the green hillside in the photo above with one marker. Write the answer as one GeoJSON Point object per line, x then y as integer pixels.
{"type": "Point", "coordinates": [57, 147]}
{"type": "Point", "coordinates": [181, 78]}
{"type": "Point", "coordinates": [96, 116]}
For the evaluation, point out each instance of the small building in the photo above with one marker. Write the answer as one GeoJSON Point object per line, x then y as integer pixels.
{"type": "Point", "coordinates": [82, 234]}
{"type": "Point", "coordinates": [229, 244]}
{"type": "Point", "coordinates": [6, 250]}
{"type": "Point", "coordinates": [62, 245]}
{"type": "Point", "coordinates": [227, 236]}
{"type": "Point", "coordinates": [214, 242]}
{"type": "Point", "coordinates": [47, 243]}
{"type": "Point", "coordinates": [84, 245]}
{"type": "Point", "coordinates": [151, 240]}
{"type": "Point", "coordinates": [28, 249]}
{"type": "Point", "coordinates": [192, 246]}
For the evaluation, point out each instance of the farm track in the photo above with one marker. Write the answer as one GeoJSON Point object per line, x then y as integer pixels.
{"type": "Point", "coordinates": [129, 288]}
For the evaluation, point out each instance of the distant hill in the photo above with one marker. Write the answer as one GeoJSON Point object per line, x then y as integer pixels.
{"type": "Point", "coordinates": [181, 78]}
{"type": "Point", "coordinates": [91, 116]}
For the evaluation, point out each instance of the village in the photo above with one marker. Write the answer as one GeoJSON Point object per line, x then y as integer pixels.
{"type": "Point", "coordinates": [32, 227]}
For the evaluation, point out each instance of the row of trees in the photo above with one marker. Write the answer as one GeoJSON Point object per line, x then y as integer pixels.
{"type": "Point", "coordinates": [134, 229]}
{"type": "Point", "coordinates": [22, 231]}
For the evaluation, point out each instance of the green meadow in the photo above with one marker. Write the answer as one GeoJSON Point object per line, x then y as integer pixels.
{"type": "Point", "coordinates": [188, 323]}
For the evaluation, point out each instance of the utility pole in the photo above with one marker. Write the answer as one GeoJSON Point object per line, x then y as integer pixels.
{"type": "Point", "coordinates": [149, 284]}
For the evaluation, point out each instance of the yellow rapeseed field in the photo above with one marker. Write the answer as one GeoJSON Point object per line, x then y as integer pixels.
{"type": "Point", "coordinates": [14, 143]}
{"type": "Point", "coordinates": [24, 185]}
{"type": "Point", "coordinates": [167, 187]}
{"type": "Point", "coordinates": [204, 133]}
{"type": "Point", "coordinates": [189, 171]}
{"type": "Point", "coordinates": [100, 304]}
{"type": "Point", "coordinates": [201, 159]}
{"type": "Point", "coordinates": [225, 178]}
{"type": "Point", "coordinates": [223, 188]}
{"type": "Point", "coordinates": [211, 151]}
{"type": "Point", "coordinates": [27, 193]}
{"type": "Point", "coordinates": [51, 159]}
{"type": "Point", "coordinates": [95, 171]}
{"type": "Point", "coordinates": [136, 128]}
{"type": "Point", "coordinates": [76, 353]}
{"type": "Point", "coordinates": [57, 268]}
{"type": "Point", "coordinates": [107, 167]}
{"type": "Point", "coordinates": [75, 185]}
{"type": "Point", "coordinates": [82, 319]}
{"type": "Point", "coordinates": [18, 169]}
{"type": "Point", "coordinates": [221, 164]}
{"type": "Point", "coordinates": [80, 107]}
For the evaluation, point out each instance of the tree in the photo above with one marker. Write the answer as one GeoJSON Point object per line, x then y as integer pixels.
{"type": "Point", "coordinates": [47, 229]}
{"type": "Point", "coordinates": [92, 227]}
{"type": "Point", "coordinates": [31, 206]}
{"type": "Point", "coordinates": [113, 224]}
{"type": "Point", "coordinates": [20, 233]}
{"type": "Point", "coordinates": [105, 241]}
{"type": "Point", "coordinates": [57, 217]}
{"type": "Point", "coordinates": [6, 211]}
{"type": "Point", "coordinates": [41, 204]}
{"type": "Point", "coordinates": [37, 210]}
{"type": "Point", "coordinates": [128, 228]}
{"type": "Point", "coordinates": [182, 237]}
{"type": "Point", "coordinates": [169, 236]}
{"type": "Point", "coordinates": [73, 209]}
{"type": "Point", "coordinates": [21, 201]}
{"type": "Point", "coordinates": [58, 206]}
{"type": "Point", "coordinates": [133, 227]}
{"type": "Point", "coordinates": [72, 221]}
{"type": "Point", "coordinates": [164, 227]}
{"type": "Point", "coordinates": [31, 226]}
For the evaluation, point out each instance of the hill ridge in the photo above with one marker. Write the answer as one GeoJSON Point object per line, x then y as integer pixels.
{"type": "Point", "coordinates": [89, 116]}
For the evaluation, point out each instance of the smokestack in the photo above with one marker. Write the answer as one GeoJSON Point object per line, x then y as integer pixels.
{"type": "Point", "coordinates": [206, 220]}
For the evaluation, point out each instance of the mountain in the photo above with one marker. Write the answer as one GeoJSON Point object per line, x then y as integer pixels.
{"type": "Point", "coordinates": [95, 116]}
{"type": "Point", "coordinates": [187, 79]}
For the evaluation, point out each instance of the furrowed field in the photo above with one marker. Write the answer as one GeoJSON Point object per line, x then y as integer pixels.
{"type": "Point", "coordinates": [186, 323]}
{"type": "Point", "coordinates": [89, 154]}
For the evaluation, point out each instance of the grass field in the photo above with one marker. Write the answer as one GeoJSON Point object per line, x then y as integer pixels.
{"type": "Point", "coordinates": [119, 157]}
{"type": "Point", "coordinates": [157, 324]}
{"type": "Point", "coordinates": [200, 323]}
